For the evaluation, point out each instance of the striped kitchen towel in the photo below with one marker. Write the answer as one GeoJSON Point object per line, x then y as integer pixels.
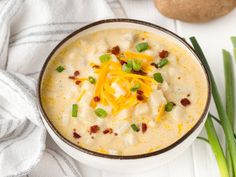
{"type": "Point", "coordinates": [22, 134]}
{"type": "Point", "coordinates": [29, 30]}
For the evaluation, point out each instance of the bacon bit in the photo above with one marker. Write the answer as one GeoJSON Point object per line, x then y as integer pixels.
{"type": "Point", "coordinates": [77, 82]}
{"type": "Point", "coordinates": [76, 135]}
{"type": "Point", "coordinates": [115, 50]}
{"type": "Point", "coordinates": [185, 102]}
{"type": "Point", "coordinates": [144, 127]}
{"type": "Point", "coordinates": [163, 54]}
{"type": "Point", "coordinates": [94, 129]}
{"type": "Point", "coordinates": [71, 77]}
{"type": "Point", "coordinates": [76, 73]}
{"type": "Point", "coordinates": [96, 66]}
{"type": "Point", "coordinates": [140, 97]}
{"type": "Point", "coordinates": [96, 99]}
{"type": "Point", "coordinates": [140, 72]}
{"type": "Point", "coordinates": [108, 130]}
{"type": "Point", "coordinates": [123, 62]}
{"type": "Point", "coordinates": [115, 134]}
{"type": "Point", "coordinates": [140, 92]}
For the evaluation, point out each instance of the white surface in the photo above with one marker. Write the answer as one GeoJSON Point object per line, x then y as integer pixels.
{"type": "Point", "coordinates": [198, 160]}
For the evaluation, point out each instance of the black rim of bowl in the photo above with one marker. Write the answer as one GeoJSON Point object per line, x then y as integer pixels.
{"type": "Point", "coordinates": [139, 156]}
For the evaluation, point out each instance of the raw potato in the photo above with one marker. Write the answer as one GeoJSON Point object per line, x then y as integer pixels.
{"type": "Point", "coordinates": [195, 10]}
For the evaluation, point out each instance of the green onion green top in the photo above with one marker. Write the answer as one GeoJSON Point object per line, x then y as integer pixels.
{"type": "Point", "coordinates": [74, 110]}
{"type": "Point", "coordinates": [134, 127]}
{"type": "Point", "coordinates": [135, 87]}
{"type": "Point", "coordinates": [127, 68]}
{"type": "Point", "coordinates": [104, 58]}
{"type": "Point", "coordinates": [158, 77]}
{"type": "Point", "coordinates": [162, 63]}
{"type": "Point", "coordinates": [136, 64]}
{"type": "Point", "coordinates": [142, 46]}
{"type": "Point", "coordinates": [100, 112]}
{"type": "Point", "coordinates": [60, 69]}
{"type": "Point", "coordinates": [169, 106]}
{"type": "Point", "coordinates": [92, 80]}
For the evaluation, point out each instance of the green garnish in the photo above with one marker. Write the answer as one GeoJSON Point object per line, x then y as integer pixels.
{"type": "Point", "coordinates": [158, 77]}
{"type": "Point", "coordinates": [136, 64]}
{"type": "Point", "coordinates": [127, 68]}
{"type": "Point", "coordinates": [74, 110]}
{"type": "Point", "coordinates": [224, 119]}
{"type": "Point", "coordinates": [142, 46]}
{"type": "Point", "coordinates": [100, 112]}
{"type": "Point", "coordinates": [229, 98]}
{"type": "Point", "coordinates": [162, 63]}
{"type": "Point", "coordinates": [169, 106]}
{"type": "Point", "coordinates": [60, 69]}
{"type": "Point", "coordinates": [233, 40]}
{"type": "Point", "coordinates": [135, 87]}
{"type": "Point", "coordinates": [92, 80]}
{"type": "Point", "coordinates": [134, 127]}
{"type": "Point", "coordinates": [104, 58]}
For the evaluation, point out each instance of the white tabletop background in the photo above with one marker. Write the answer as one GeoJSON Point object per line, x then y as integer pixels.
{"type": "Point", "coordinates": [198, 160]}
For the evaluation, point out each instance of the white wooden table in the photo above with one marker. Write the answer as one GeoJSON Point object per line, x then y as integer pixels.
{"type": "Point", "coordinates": [198, 160]}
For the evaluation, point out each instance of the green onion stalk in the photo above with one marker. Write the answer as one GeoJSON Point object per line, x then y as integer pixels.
{"type": "Point", "coordinates": [225, 121]}
{"type": "Point", "coordinates": [233, 39]}
{"type": "Point", "coordinates": [229, 100]}
{"type": "Point", "coordinates": [216, 147]}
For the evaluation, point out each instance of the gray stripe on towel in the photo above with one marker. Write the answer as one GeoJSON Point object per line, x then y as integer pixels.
{"type": "Point", "coordinates": [59, 164]}
{"type": "Point", "coordinates": [68, 163]}
{"type": "Point", "coordinates": [16, 133]}
{"type": "Point", "coordinates": [40, 33]}
{"type": "Point", "coordinates": [18, 139]}
{"type": "Point", "coordinates": [34, 42]}
{"type": "Point", "coordinates": [47, 25]}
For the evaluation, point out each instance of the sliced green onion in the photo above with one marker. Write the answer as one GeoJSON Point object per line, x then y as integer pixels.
{"type": "Point", "coordinates": [136, 64]}
{"type": "Point", "coordinates": [74, 110]}
{"type": "Point", "coordinates": [142, 46]}
{"type": "Point", "coordinates": [158, 77]}
{"type": "Point", "coordinates": [162, 63]}
{"type": "Point", "coordinates": [134, 127]}
{"type": "Point", "coordinates": [127, 68]}
{"type": "Point", "coordinates": [216, 147]}
{"type": "Point", "coordinates": [169, 106]}
{"type": "Point", "coordinates": [233, 39]}
{"type": "Point", "coordinates": [226, 124]}
{"type": "Point", "coordinates": [92, 80]}
{"type": "Point", "coordinates": [104, 58]}
{"type": "Point", "coordinates": [135, 87]}
{"type": "Point", "coordinates": [60, 69]}
{"type": "Point", "coordinates": [100, 112]}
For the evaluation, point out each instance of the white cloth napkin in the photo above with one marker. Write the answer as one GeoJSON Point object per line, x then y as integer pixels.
{"type": "Point", "coordinates": [29, 30]}
{"type": "Point", "coordinates": [22, 135]}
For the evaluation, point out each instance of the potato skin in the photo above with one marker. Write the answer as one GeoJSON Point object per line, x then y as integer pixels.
{"type": "Point", "coordinates": [195, 10]}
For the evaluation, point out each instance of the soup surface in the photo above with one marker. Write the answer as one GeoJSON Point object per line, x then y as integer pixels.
{"type": "Point", "coordinates": [123, 91]}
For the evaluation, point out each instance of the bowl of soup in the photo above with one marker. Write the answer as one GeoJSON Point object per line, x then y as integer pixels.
{"type": "Point", "coordinates": [123, 95]}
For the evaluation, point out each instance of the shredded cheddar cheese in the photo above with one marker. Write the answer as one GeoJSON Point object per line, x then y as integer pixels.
{"type": "Point", "coordinates": [111, 72]}
{"type": "Point", "coordinates": [81, 95]}
{"type": "Point", "coordinates": [161, 110]}
{"type": "Point", "coordinates": [129, 55]}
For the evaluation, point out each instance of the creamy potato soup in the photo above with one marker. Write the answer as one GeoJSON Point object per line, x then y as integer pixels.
{"type": "Point", "coordinates": [123, 91]}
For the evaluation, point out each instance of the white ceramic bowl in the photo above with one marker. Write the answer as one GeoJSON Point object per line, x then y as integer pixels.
{"type": "Point", "coordinates": [135, 163]}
